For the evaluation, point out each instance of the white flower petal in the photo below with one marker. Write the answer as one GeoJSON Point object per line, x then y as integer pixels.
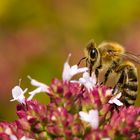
{"type": "Point", "coordinates": [73, 70]}
{"type": "Point", "coordinates": [82, 80]}
{"type": "Point", "coordinates": [89, 86]}
{"type": "Point", "coordinates": [117, 102]}
{"type": "Point", "coordinates": [84, 116]}
{"type": "Point", "coordinates": [25, 90]}
{"type": "Point", "coordinates": [21, 99]}
{"type": "Point", "coordinates": [41, 87]}
{"type": "Point", "coordinates": [108, 92]}
{"type": "Point", "coordinates": [30, 97]}
{"type": "Point", "coordinates": [114, 100]}
{"type": "Point", "coordinates": [118, 95]}
{"type": "Point", "coordinates": [69, 72]}
{"type": "Point", "coordinates": [86, 75]}
{"type": "Point", "coordinates": [65, 75]}
{"type": "Point", "coordinates": [83, 69]}
{"type": "Point", "coordinates": [16, 91]}
{"type": "Point", "coordinates": [37, 90]}
{"type": "Point", "coordinates": [36, 83]}
{"type": "Point", "coordinates": [111, 101]}
{"type": "Point", "coordinates": [33, 93]}
{"type": "Point", "coordinates": [13, 137]}
{"type": "Point", "coordinates": [13, 100]}
{"type": "Point", "coordinates": [92, 117]}
{"type": "Point", "coordinates": [74, 81]}
{"type": "Point", "coordinates": [26, 138]}
{"type": "Point", "coordinates": [66, 68]}
{"type": "Point", "coordinates": [18, 94]}
{"type": "Point", "coordinates": [9, 132]}
{"type": "Point", "coordinates": [87, 81]}
{"type": "Point", "coordinates": [105, 138]}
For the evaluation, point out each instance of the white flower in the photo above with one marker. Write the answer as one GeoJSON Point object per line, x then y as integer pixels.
{"type": "Point", "coordinates": [18, 94]}
{"type": "Point", "coordinates": [13, 137]}
{"type": "Point", "coordinates": [92, 118]}
{"type": "Point", "coordinates": [106, 138]}
{"type": "Point", "coordinates": [26, 138]}
{"type": "Point", "coordinates": [40, 88]}
{"type": "Point", "coordinates": [108, 92]}
{"type": "Point", "coordinates": [114, 99]}
{"type": "Point", "coordinates": [87, 81]}
{"type": "Point", "coordinates": [9, 132]}
{"type": "Point", "coordinates": [69, 72]}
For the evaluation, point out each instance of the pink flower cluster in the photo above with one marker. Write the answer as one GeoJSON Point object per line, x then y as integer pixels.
{"type": "Point", "coordinates": [77, 110]}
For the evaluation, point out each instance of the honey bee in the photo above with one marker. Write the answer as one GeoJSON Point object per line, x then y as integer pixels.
{"type": "Point", "coordinates": [110, 56]}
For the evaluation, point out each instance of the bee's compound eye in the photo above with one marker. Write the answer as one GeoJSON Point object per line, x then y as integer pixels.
{"type": "Point", "coordinates": [93, 53]}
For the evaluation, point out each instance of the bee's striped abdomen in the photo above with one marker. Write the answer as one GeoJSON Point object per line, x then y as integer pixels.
{"type": "Point", "coordinates": [129, 83]}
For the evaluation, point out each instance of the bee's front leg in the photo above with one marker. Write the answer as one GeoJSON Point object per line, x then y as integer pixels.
{"type": "Point", "coordinates": [90, 69]}
{"type": "Point", "coordinates": [97, 75]}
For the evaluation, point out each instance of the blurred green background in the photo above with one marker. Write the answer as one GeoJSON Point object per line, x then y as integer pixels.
{"type": "Point", "coordinates": [37, 35]}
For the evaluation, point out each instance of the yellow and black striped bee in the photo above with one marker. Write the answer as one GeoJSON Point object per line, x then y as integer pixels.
{"type": "Point", "coordinates": [110, 56]}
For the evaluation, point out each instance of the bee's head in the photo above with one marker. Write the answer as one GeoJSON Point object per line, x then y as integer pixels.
{"type": "Point", "coordinates": [92, 51]}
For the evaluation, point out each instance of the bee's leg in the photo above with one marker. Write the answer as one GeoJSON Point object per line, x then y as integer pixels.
{"type": "Point", "coordinates": [121, 81]}
{"type": "Point", "coordinates": [81, 60]}
{"type": "Point", "coordinates": [107, 75]}
{"type": "Point", "coordinates": [90, 69]}
{"type": "Point", "coordinates": [97, 73]}
{"type": "Point", "coordinates": [111, 68]}
{"type": "Point", "coordinates": [86, 62]}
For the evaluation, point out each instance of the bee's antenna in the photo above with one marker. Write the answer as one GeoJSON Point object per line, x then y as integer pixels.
{"type": "Point", "coordinates": [81, 60]}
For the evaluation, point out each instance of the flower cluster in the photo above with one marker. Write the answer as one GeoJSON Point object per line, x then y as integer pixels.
{"type": "Point", "coordinates": [78, 109]}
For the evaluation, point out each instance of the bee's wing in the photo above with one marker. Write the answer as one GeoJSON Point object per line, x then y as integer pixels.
{"type": "Point", "coordinates": [133, 57]}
